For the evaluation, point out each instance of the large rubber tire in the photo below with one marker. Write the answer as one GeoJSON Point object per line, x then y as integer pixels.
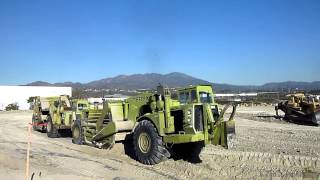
{"type": "Point", "coordinates": [34, 127]}
{"type": "Point", "coordinates": [77, 133]}
{"type": "Point", "coordinates": [52, 132]}
{"type": "Point", "coordinates": [148, 145]}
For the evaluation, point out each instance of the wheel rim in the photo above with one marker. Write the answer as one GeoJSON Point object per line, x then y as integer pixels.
{"type": "Point", "coordinates": [144, 142]}
{"type": "Point", "coordinates": [76, 133]}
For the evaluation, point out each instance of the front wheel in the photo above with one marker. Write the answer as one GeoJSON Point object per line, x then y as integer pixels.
{"type": "Point", "coordinates": [52, 132]}
{"type": "Point", "coordinates": [148, 145]}
{"type": "Point", "coordinates": [34, 126]}
{"type": "Point", "coordinates": [77, 133]}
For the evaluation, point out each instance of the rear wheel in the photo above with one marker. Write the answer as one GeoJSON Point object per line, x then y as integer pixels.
{"type": "Point", "coordinates": [148, 145]}
{"type": "Point", "coordinates": [52, 132]}
{"type": "Point", "coordinates": [77, 133]}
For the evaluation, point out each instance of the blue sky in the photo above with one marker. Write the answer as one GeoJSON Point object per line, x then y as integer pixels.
{"type": "Point", "coordinates": [236, 42]}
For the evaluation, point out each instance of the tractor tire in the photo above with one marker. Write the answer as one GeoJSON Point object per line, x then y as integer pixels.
{"type": "Point", "coordinates": [52, 132]}
{"type": "Point", "coordinates": [77, 133]}
{"type": "Point", "coordinates": [147, 144]}
{"type": "Point", "coordinates": [34, 127]}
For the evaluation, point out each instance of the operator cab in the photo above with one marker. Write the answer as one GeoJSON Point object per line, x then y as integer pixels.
{"type": "Point", "coordinates": [79, 105]}
{"type": "Point", "coordinates": [196, 94]}
{"type": "Point", "coordinates": [201, 94]}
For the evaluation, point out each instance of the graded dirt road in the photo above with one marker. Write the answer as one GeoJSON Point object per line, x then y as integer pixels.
{"type": "Point", "coordinates": [264, 150]}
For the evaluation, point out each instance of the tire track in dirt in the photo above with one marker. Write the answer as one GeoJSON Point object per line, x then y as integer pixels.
{"type": "Point", "coordinates": [115, 160]}
{"type": "Point", "coordinates": [264, 164]}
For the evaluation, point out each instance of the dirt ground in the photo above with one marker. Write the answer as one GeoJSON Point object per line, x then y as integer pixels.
{"type": "Point", "coordinates": [265, 149]}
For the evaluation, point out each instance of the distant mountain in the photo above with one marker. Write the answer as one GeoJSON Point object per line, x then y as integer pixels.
{"type": "Point", "coordinates": [176, 79]}
{"type": "Point", "coordinates": [135, 81]}
{"type": "Point", "coordinates": [43, 83]}
{"type": "Point", "coordinates": [291, 85]}
{"type": "Point", "coordinates": [145, 81]}
{"type": "Point", "coordinates": [39, 83]}
{"type": "Point", "coordinates": [70, 84]}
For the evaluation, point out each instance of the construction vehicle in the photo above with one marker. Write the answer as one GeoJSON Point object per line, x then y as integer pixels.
{"type": "Point", "coordinates": [60, 113]}
{"type": "Point", "coordinates": [300, 108]}
{"type": "Point", "coordinates": [41, 107]}
{"type": "Point", "coordinates": [158, 123]}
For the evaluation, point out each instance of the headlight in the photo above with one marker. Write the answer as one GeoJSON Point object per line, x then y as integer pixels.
{"type": "Point", "coordinates": [189, 112]}
{"type": "Point", "coordinates": [189, 115]}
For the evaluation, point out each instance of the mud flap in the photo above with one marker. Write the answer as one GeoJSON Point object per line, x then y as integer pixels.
{"type": "Point", "coordinates": [224, 131]}
{"type": "Point", "coordinates": [231, 133]}
{"type": "Point", "coordinates": [225, 134]}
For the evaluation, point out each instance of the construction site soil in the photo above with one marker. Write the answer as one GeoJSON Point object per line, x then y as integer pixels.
{"type": "Point", "coordinates": [265, 148]}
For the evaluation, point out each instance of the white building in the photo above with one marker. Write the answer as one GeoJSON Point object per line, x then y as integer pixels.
{"type": "Point", "coordinates": [237, 95]}
{"type": "Point", "coordinates": [20, 94]}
